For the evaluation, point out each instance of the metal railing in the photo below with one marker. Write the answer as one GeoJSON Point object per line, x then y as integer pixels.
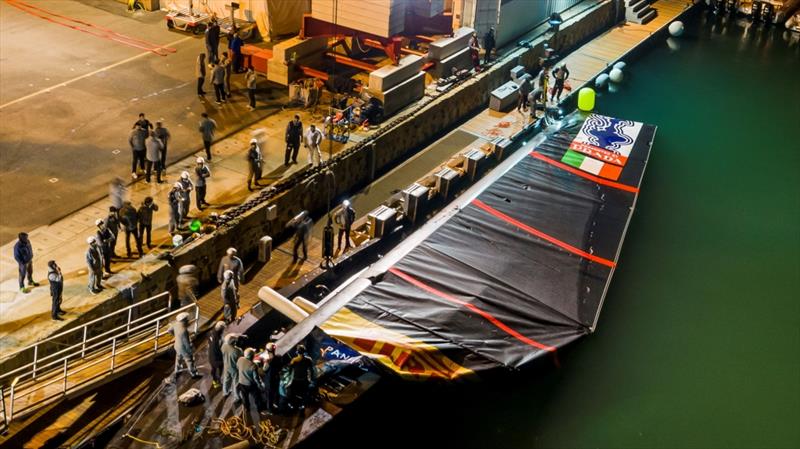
{"type": "Point", "coordinates": [107, 347]}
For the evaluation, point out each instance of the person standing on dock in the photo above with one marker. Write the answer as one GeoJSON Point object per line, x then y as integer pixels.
{"type": "Point", "coordinates": [138, 149]}
{"type": "Point", "coordinates": [294, 132]}
{"type": "Point", "coordinates": [112, 223]}
{"type": "Point", "coordinates": [254, 161]}
{"type": "Point", "coordinates": [187, 185]}
{"type": "Point", "coordinates": [544, 81]}
{"type": "Point", "coordinates": [230, 355]}
{"type": "Point", "coordinates": [252, 83]}
{"type": "Point", "coordinates": [313, 141]}
{"type": "Point", "coordinates": [145, 214]}
{"type": "Point", "coordinates": [105, 239]}
{"type": "Point", "coordinates": [345, 219]}
{"type": "Point", "coordinates": [187, 286]}
{"type": "Point", "coordinates": [231, 262]}
{"type": "Point", "coordinates": [215, 358]}
{"type": "Point", "coordinates": [143, 123]}
{"type": "Point", "coordinates": [163, 135]}
{"type": "Point", "coordinates": [560, 74]}
{"type": "Point", "coordinates": [522, 99]}
{"type": "Point", "coordinates": [153, 156]}
{"type": "Point", "coordinates": [130, 222]}
{"type": "Point", "coordinates": [488, 45]}
{"type": "Point", "coordinates": [302, 378]}
{"type": "Point", "coordinates": [474, 51]}
{"type": "Point", "coordinates": [201, 172]}
{"type": "Point", "coordinates": [218, 81]}
{"type": "Point", "coordinates": [250, 384]}
{"type": "Point", "coordinates": [207, 129]}
{"type": "Point", "coordinates": [184, 353]}
{"type": "Point", "coordinates": [227, 64]}
{"type": "Point", "coordinates": [23, 254]}
{"type": "Point", "coordinates": [56, 280]}
{"type": "Point", "coordinates": [303, 225]}
{"type": "Point", "coordinates": [230, 297]}
{"type": "Point", "coordinates": [175, 199]}
{"type": "Point", "coordinates": [94, 261]}
{"type": "Point", "coordinates": [235, 44]}
{"type": "Point", "coordinates": [212, 40]}
{"type": "Point", "coordinates": [200, 73]}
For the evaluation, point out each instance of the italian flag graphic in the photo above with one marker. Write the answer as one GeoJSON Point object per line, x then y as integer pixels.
{"type": "Point", "coordinates": [592, 166]}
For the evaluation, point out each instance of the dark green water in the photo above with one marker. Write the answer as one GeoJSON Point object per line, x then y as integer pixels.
{"type": "Point", "coordinates": [698, 344]}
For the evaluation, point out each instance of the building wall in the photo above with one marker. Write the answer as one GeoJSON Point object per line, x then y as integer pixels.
{"type": "Point", "coordinates": [517, 17]}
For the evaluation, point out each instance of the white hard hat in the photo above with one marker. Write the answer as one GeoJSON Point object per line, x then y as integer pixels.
{"type": "Point", "coordinates": [220, 325]}
{"type": "Point", "coordinates": [99, 221]}
{"type": "Point", "coordinates": [178, 185]}
{"type": "Point", "coordinates": [185, 174]}
{"type": "Point", "coordinates": [227, 274]}
{"type": "Point", "coordinates": [200, 160]}
{"type": "Point", "coordinates": [249, 353]}
{"type": "Point", "coordinates": [231, 251]}
{"type": "Point", "coordinates": [253, 140]}
{"type": "Point", "coordinates": [183, 316]}
{"type": "Point", "coordinates": [346, 203]}
{"type": "Point", "coordinates": [90, 239]}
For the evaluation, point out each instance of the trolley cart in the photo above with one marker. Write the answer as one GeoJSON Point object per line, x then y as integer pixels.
{"type": "Point", "coordinates": [186, 20]}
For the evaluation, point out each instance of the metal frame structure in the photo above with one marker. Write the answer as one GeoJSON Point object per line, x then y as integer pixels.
{"type": "Point", "coordinates": [89, 352]}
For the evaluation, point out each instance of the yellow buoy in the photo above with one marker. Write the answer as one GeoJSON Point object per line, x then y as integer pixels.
{"type": "Point", "coordinates": [586, 99]}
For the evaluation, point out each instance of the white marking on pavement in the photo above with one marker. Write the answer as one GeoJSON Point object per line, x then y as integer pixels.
{"type": "Point", "coordinates": [53, 180]}
{"type": "Point", "coordinates": [78, 78]}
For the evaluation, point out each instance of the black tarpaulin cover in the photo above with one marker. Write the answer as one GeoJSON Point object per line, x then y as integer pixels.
{"type": "Point", "coordinates": [523, 268]}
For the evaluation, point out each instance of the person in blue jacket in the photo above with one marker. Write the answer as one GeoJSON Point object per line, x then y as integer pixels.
{"type": "Point", "coordinates": [23, 254]}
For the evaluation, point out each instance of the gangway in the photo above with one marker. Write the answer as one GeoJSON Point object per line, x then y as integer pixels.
{"type": "Point", "coordinates": [96, 356]}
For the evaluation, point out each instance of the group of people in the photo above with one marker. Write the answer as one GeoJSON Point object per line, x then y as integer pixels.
{"type": "Point", "coordinates": [270, 383]}
{"type": "Point", "coordinates": [537, 97]}
{"type": "Point", "coordinates": [312, 139]}
{"type": "Point", "coordinates": [148, 148]}
{"type": "Point", "coordinates": [222, 69]}
{"type": "Point", "coordinates": [489, 44]}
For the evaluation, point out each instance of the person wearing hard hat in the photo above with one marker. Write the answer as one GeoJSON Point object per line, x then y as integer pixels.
{"type": "Point", "coordinates": [230, 355]}
{"type": "Point", "coordinates": [345, 219]}
{"type": "Point", "coordinates": [175, 199]}
{"type": "Point", "coordinates": [94, 261]}
{"type": "Point", "coordinates": [184, 353]}
{"type": "Point", "coordinates": [230, 261]}
{"type": "Point", "coordinates": [230, 297]}
{"type": "Point", "coordinates": [56, 280]}
{"type": "Point", "coordinates": [188, 186]}
{"type": "Point", "coordinates": [250, 383]}
{"type": "Point", "coordinates": [201, 172]}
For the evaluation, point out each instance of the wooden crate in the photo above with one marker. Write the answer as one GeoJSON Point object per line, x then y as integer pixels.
{"type": "Point", "coordinates": [383, 18]}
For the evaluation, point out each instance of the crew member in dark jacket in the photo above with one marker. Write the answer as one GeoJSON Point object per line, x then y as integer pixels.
{"type": "Point", "coordinates": [250, 383]}
{"type": "Point", "coordinates": [112, 222]}
{"type": "Point", "coordinates": [345, 219]}
{"type": "Point", "coordinates": [145, 215]}
{"type": "Point", "coordinates": [138, 149]}
{"type": "Point", "coordinates": [94, 262]}
{"type": "Point", "coordinates": [212, 41]}
{"type": "Point", "coordinates": [254, 160]}
{"type": "Point", "coordinates": [56, 280]}
{"type": "Point", "coordinates": [230, 261]}
{"type": "Point", "coordinates": [215, 353]}
{"type": "Point", "coordinates": [488, 45]}
{"type": "Point", "coordinates": [200, 73]}
{"type": "Point", "coordinates": [302, 377]}
{"type": "Point", "coordinates": [201, 172]}
{"type": "Point", "coordinates": [163, 135]}
{"type": "Point", "coordinates": [105, 239]}
{"type": "Point", "coordinates": [23, 254]}
{"type": "Point", "coordinates": [294, 132]}
{"type": "Point", "coordinates": [130, 222]}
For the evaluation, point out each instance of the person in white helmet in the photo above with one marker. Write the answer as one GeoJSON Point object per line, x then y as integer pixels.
{"type": "Point", "coordinates": [230, 261]}
{"type": "Point", "coordinates": [313, 141]}
{"type": "Point", "coordinates": [184, 353]}
{"type": "Point", "coordinates": [188, 186]}
{"type": "Point", "coordinates": [201, 172]}
{"type": "Point", "coordinates": [175, 199]}
{"type": "Point", "coordinates": [94, 261]}
{"type": "Point", "coordinates": [230, 297]}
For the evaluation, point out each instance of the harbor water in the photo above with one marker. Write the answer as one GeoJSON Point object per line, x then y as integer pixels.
{"type": "Point", "coordinates": [698, 344]}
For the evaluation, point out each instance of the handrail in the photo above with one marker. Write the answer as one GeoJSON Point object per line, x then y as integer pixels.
{"type": "Point", "coordinates": [82, 328]}
{"type": "Point", "coordinates": [124, 341]}
{"type": "Point", "coordinates": [87, 324]}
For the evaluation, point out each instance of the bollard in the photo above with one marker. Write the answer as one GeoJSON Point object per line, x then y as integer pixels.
{"type": "Point", "coordinates": [264, 249]}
